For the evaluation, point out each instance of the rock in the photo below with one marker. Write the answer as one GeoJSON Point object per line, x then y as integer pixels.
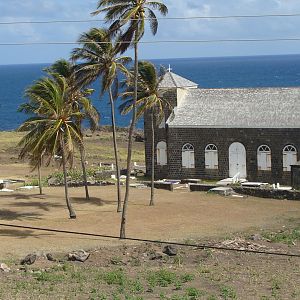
{"type": "Point", "coordinates": [256, 237]}
{"type": "Point", "coordinates": [89, 135]}
{"type": "Point", "coordinates": [139, 138]}
{"type": "Point", "coordinates": [170, 250]}
{"type": "Point", "coordinates": [29, 259]}
{"type": "Point", "coordinates": [4, 268]}
{"type": "Point", "coordinates": [53, 181]}
{"type": "Point", "coordinates": [80, 255]}
{"type": "Point", "coordinates": [50, 257]}
{"type": "Point", "coordinates": [156, 256]}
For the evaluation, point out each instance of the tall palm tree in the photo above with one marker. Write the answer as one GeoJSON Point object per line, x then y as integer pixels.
{"type": "Point", "coordinates": [149, 101]}
{"type": "Point", "coordinates": [53, 127]}
{"type": "Point", "coordinates": [99, 53]}
{"type": "Point", "coordinates": [130, 16]}
{"type": "Point", "coordinates": [78, 97]}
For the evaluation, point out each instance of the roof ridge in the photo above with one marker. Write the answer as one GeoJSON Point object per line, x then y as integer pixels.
{"type": "Point", "coordinates": [171, 75]}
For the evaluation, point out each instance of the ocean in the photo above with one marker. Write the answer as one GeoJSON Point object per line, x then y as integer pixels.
{"type": "Point", "coordinates": [221, 72]}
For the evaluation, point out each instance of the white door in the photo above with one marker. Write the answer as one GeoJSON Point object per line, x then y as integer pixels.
{"type": "Point", "coordinates": [237, 160]}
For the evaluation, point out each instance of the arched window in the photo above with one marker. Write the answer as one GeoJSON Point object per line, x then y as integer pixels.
{"type": "Point", "coordinates": [188, 156]}
{"type": "Point", "coordinates": [161, 153]}
{"type": "Point", "coordinates": [264, 158]}
{"type": "Point", "coordinates": [289, 157]}
{"type": "Point", "coordinates": [211, 157]}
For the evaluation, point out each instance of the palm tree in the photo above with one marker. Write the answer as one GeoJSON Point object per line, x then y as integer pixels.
{"type": "Point", "coordinates": [149, 100]}
{"type": "Point", "coordinates": [53, 128]}
{"type": "Point", "coordinates": [78, 97]}
{"type": "Point", "coordinates": [99, 54]}
{"type": "Point", "coordinates": [130, 15]}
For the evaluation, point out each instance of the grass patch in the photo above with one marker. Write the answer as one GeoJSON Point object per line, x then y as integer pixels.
{"type": "Point", "coordinates": [288, 237]}
{"type": "Point", "coordinates": [116, 277]}
{"type": "Point", "coordinates": [49, 277]}
{"type": "Point", "coordinates": [162, 278]}
{"type": "Point", "coordinates": [227, 292]}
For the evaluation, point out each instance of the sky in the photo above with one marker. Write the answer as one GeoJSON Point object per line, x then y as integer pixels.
{"type": "Point", "coordinates": [44, 10]}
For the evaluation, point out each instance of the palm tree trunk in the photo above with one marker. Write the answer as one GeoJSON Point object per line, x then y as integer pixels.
{"type": "Point", "coordinates": [152, 159]}
{"type": "Point", "coordinates": [130, 137]}
{"type": "Point", "coordinates": [40, 177]}
{"type": "Point", "coordinates": [69, 205]}
{"type": "Point", "coordinates": [82, 158]}
{"type": "Point", "coordinates": [113, 122]}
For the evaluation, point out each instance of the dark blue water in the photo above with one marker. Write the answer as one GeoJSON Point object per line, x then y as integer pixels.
{"type": "Point", "coordinates": [229, 72]}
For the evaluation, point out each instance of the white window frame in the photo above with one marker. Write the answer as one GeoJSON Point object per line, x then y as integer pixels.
{"type": "Point", "coordinates": [188, 156]}
{"type": "Point", "coordinates": [289, 157]}
{"type": "Point", "coordinates": [211, 157]}
{"type": "Point", "coordinates": [264, 158]}
{"type": "Point", "coordinates": [161, 153]}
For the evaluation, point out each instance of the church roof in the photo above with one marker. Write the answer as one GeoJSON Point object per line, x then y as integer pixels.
{"type": "Point", "coordinates": [238, 108]}
{"type": "Point", "coordinates": [172, 80]}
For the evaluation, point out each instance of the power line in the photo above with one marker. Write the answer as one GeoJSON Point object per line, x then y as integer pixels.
{"type": "Point", "coordinates": [200, 246]}
{"type": "Point", "coordinates": [159, 18]}
{"type": "Point", "coordinates": [159, 42]}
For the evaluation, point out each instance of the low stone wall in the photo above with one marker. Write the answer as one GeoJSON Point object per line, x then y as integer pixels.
{"type": "Point", "coordinates": [164, 186]}
{"type": "Point", "coordinates": [201, 187]}
{"type": "Point", "coordinates": [268, 193]}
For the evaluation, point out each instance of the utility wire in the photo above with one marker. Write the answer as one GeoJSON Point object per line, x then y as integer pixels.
{"type": "Point", "coordinates": [160, 42]}
{"type": "Point", "coordinates": [159, 18]}
{"type": "Point", "coordinates": [200, 246]}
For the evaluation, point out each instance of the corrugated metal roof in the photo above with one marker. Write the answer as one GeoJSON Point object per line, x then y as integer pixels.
{"type": "Point", "coordinates": [239, 108]}
{"type": "Point", "coordinates": [172, 80]}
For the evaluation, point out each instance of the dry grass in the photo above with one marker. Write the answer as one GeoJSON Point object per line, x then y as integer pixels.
{"type": "Point", "coordinates": [99, 148]}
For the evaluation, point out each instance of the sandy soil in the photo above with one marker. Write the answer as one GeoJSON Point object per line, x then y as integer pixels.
{"type": "Point", "coordinates": [178, 215]}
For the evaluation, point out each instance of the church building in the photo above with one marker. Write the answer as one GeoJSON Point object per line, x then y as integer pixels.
{"type": "Point", "coordinates": [218, 133]}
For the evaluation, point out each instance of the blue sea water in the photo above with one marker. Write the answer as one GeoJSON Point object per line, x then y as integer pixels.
{"type": "Point", "coordinates": [223, 72]}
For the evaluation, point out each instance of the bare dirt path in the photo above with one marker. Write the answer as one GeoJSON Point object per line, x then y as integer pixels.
{"type": "Point", "coordinates": [180, 215]}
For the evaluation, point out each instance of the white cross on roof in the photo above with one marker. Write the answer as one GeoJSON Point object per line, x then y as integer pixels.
{"type": "Point", "coordinates": [169, 69]}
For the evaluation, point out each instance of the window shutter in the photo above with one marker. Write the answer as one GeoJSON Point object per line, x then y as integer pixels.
{"type": "Point", "coordinates": [191, 159]}
{"type": "Point", "coordinates": [285, 162]}
{"type": "Point", "coordinates": [185, 159]}
{"type": "Point", "coordinates": [269, 162]}
{"type": "Point", "coordinates": [163, 155]}
{"type": "Point", "coordinates": [215, 160]}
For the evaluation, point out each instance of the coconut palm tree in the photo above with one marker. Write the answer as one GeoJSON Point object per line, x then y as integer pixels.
{"type": "Point", "coordinates": [53, 127]}
{"type": "Point", "coordinates": [130, 16]}
{"type": "Point", "coordinates": [78, 97]}
{"type": "Point", "coordinates": [149, 101]}
{"type": "Point", "coordinates": [99, 56]}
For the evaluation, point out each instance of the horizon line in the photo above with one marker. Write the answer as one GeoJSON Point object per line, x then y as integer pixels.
{"type": "Point", "coordinates": [171, 58]}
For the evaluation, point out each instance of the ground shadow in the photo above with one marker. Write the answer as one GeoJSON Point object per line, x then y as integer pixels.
{"type": "Point", "coordinates": [93, 201]}
{"type": "Point", "coordinates": [40, 205]}
{"type": "Point", "coordinates": [17, 196]}
{"type": "Point", "coordinates": [10, 215]}
{"type": "Point", "coordinates": [23, 234]}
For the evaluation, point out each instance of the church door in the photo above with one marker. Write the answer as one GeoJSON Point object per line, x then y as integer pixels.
{"type": "Point", "coordinates": [237, 160]}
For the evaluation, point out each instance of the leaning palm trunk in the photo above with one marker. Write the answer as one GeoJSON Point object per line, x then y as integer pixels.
{"type": "Point", "coordinates": [40, 177]}
{"type": "Point", "coordinates": [152, 159]}
{"type": "Point", "coordinates": [69, 205]}
{"type": "Point", "coordinates": [113, 121]}
{"type": "Point", "coordinates": [82, 158]}
{"type": "Point", "coordinates": [130, 137]}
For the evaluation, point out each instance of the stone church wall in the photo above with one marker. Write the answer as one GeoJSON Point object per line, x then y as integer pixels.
{"type": "Point", "coordinates": [276, 139]}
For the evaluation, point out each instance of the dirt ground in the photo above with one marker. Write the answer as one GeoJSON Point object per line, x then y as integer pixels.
{"type": "Point", "coordinates": [177, 216]}
{"type": "Point", "coordinates": [118, 270]}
